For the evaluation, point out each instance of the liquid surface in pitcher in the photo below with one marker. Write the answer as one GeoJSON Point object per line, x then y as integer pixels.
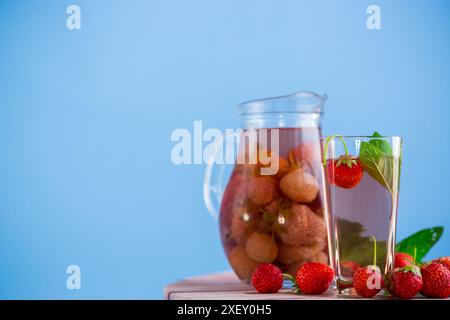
{"type": "Point", "coordinates": [277, 218]}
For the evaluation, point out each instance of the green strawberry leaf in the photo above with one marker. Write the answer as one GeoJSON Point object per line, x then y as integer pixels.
{"type": "Point", "coordinates": [423, 240]}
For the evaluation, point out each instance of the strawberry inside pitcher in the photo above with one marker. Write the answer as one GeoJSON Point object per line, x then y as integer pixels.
{"type": "Point", "coordinates": [278, 217]}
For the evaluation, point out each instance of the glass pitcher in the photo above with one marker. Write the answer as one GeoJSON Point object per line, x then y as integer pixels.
{"type": "Point", "coordinates": [271, 210]}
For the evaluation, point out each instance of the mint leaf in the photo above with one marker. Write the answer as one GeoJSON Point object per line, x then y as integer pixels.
{"type": "Point", "coordinates": [362, 253]}
{"type": "Point", "coordinates": [381, 144]}
{"type": "Point", "coordinates": [377, 160]}
{"type": "Point", "coordinates": [423, 240]}
{"type": "Point", "coordinates": [377, 164]}
{"type": "Point", "coordinates": [353, 246]}
{"type": "Point", "coordinates": [350, 235]}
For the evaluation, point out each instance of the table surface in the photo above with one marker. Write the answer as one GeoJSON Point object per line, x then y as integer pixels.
{"type": "Point", "coordinates": [225, 285]}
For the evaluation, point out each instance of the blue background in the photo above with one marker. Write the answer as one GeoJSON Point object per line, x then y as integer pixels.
{"type": "Point", "coordinates": [86, 117]}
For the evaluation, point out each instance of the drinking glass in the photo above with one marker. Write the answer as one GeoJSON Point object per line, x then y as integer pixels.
{"type": "Point", "coordinates": [362, 201]}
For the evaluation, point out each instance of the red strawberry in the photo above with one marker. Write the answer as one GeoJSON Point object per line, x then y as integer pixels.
{"type": "Point", "coordinates": [405, 282]}
{"type": "Point", "coordinates": [436, 280]}
{"type": "Point", "coordinates": [444, 260]}
{"type": "Point", "coordinates": [314, 277]}
{"type": "Point", "coordinates": [368, 281]}
{"type": "Point", "coordinates": [267, 278]}
{"type": "Point", "coordinates": [346, 172]}
{"type": "Point", "coordinates": [402, 259]}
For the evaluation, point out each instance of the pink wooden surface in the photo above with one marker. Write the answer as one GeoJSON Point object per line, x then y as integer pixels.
{"type": "Point", "coordinates": [225, 285]}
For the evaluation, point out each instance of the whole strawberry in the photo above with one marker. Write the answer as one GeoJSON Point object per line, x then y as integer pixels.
{"type": "Point", "coordinates": [436, 280]}
{"type": "Point", "coordinates": [346, 172]}
{"type": "Point", "coordinates": [403, 259]}
{"type": "Point", "coordinates": [405, 282]}
{"type": "Point", "coordinates": [314, 277]}
{"type": "Point", "coordinates": [368, 281]}
{"type": "Point", "coordinates": [443, 260]}
{"type": "Point", "coordinates": [267, 278]}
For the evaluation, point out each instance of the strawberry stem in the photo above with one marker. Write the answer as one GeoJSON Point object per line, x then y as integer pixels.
{"type": "Point", "coordinates": [345, 146]}
{"type": "Point", "coordinates": [289, 277]}
{"type": "Point", "coordinates": [374, 251]}
{"type": "Point", "coordinates": [415, 254]}
{"type": "Point", "coordinates": [327, 142]}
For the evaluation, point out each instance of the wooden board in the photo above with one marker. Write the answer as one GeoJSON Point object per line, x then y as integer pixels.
{"type": "Point", "coordinates": [225, 285]}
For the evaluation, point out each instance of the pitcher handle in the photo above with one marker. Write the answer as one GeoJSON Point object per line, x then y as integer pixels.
{"type": "Point", "coordinates": [213, 182]}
